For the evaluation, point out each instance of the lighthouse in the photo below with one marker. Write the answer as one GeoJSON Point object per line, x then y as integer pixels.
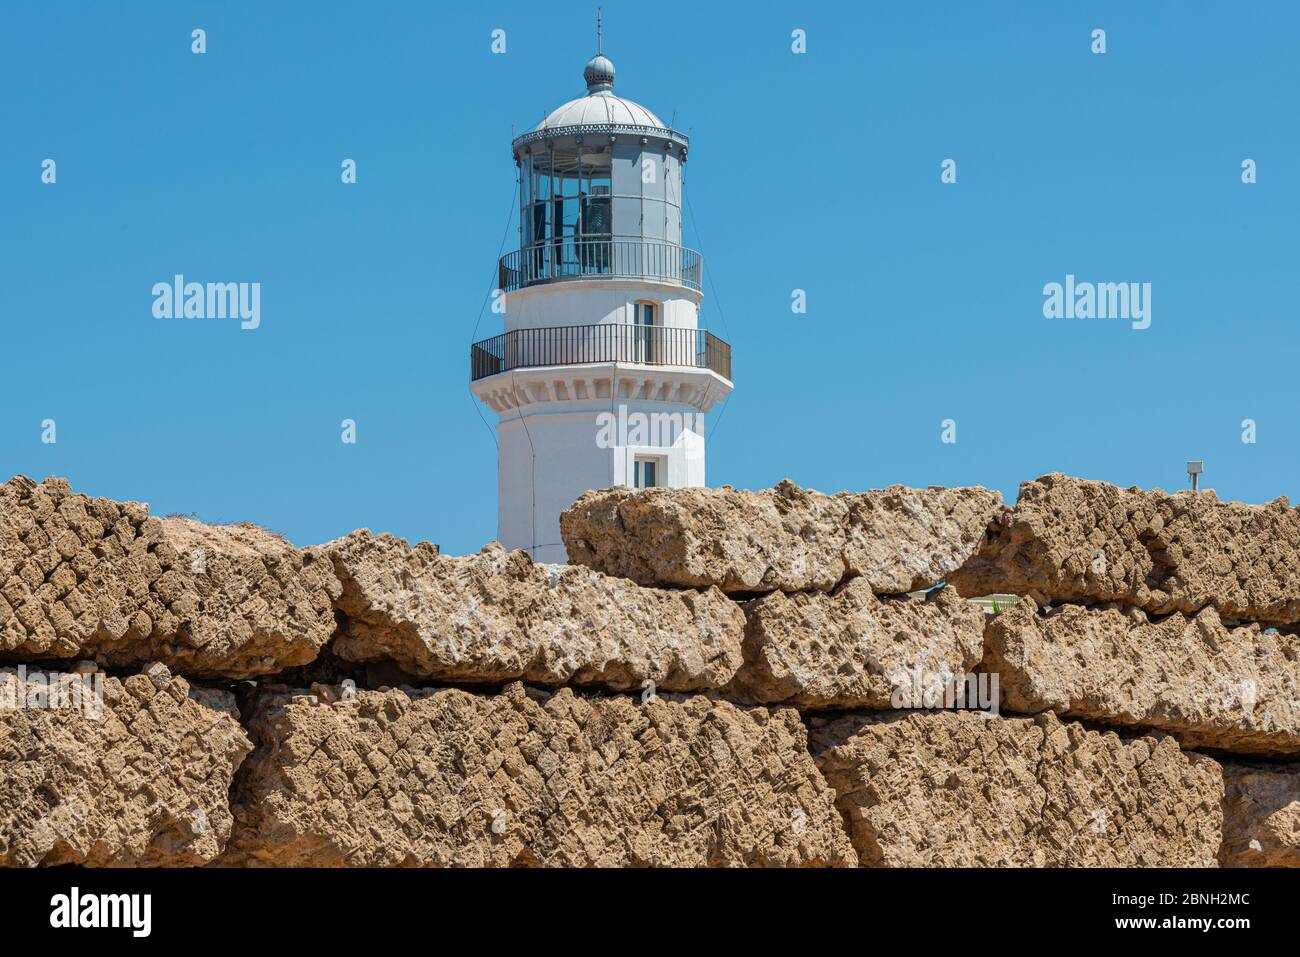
{"type": "Point", "coordinates": [603, 371]}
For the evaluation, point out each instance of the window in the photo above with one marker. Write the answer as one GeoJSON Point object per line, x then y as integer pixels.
{"type": "Point", "coordinates": [596, 220]}
{"type": "Point", "coordinates": [597, 216]}
{"type": "Point", "coordinates": [539, 222]}
{"type": "Point", "coordinates": [643, 315]}
{"type": "Point", "coordinates": [648, 468]}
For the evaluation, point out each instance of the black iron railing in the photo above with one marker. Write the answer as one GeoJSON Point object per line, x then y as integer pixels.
{"type": "Point", "coordinates": [608, 342]}
{"type": "Point", "coordinates": [614, 258]}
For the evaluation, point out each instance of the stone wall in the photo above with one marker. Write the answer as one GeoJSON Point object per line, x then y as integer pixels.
{"type": "Point", "coordinates": [721, 678]}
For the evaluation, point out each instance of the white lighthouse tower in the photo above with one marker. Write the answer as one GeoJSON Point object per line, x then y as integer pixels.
{"type": "Point", "coordinates": [603, 372]}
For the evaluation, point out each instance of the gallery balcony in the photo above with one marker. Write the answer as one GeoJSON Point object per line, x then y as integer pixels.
{"type": "Point", "coordinates": [607, 258]}
{"type": "Point", "coordinates": [600, 344]}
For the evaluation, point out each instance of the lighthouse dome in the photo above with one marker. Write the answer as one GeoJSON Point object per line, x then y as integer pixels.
{"type": "Point", "coordinates": [600, 107]}
{"type": "Point", "coordinates": [603, 109]}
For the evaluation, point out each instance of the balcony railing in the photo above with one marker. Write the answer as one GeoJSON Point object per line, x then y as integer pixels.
{"type": "Point", "coordinates": [614, 258]}
{"type": "Point", "coordinates": [607, 342]}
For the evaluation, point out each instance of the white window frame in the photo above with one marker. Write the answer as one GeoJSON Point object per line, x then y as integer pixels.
{"type": "Point", "coordinates": [660, 463]}
{"type": "Point", "coordinates": [644, 340]}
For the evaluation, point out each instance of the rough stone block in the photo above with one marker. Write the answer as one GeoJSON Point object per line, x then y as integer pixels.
{"type": "Point", "coordinates": [784, 538]}
{"type": "Point", "coordinates": [497, 616]}
{"type": "Point", "coordinates": [961, 789]}
{"type": "Point", "coordinates": [447, 777]}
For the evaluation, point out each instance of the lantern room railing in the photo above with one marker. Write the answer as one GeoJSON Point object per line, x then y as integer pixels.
{"type": "Point", "coordinates": [612, 258]}
{"type": "Point", "coordinates": [606, 342]}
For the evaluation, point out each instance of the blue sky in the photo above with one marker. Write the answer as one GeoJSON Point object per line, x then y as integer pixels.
{"type": "Point", "coordinates": [818, 171]}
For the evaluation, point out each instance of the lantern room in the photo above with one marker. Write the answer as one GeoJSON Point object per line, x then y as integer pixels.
{"type": "Point", "coordinates": [600, 192]}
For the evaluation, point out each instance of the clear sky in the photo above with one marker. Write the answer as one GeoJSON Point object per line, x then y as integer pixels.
{"type": "Point", "coordinates": [818, 171]}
